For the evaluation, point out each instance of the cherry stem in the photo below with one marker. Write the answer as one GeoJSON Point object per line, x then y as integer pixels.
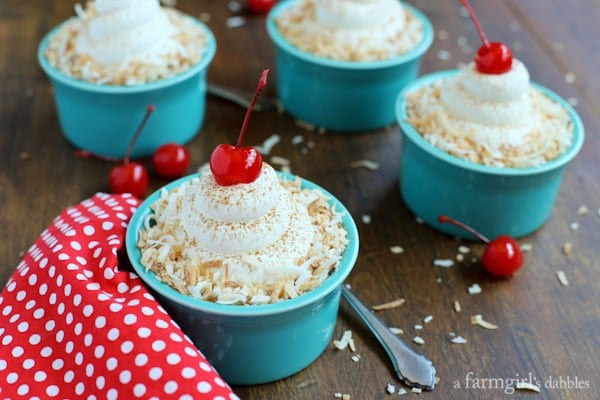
{"type": "Point", "coordinates": [445, 219]}
{"type": "Point", "coordinates": [88, 154]}
{"type": "Point", "coordinates": [262, 82]}
{"type": "Point", "coordinates": [465, 3]}
{"type": "Point", "coordinates": [149, 110]}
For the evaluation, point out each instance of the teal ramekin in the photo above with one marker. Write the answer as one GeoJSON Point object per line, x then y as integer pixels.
{"type": "Point", "coordinates": [493, 200]}
{"type": "Point", "coordinates": [102, 118]}
{"type": "Point", "coordinates": [343, 96]}
{"type": "Point", "coordinates": [254, 344]}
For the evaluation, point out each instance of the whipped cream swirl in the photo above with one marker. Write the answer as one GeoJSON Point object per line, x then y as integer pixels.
{"type": "Point", "coordinates": [259, 218]}
{"type": "Point", "coordinates": [117, 31]}
{"type": "Point", "coordinates": [357, 14]}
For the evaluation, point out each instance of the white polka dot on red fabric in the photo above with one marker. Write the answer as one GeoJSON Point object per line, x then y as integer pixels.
{"type": "Point", "coordinates": [141, 359]}
{"type": "Point", "coordinates": [158, 345]}
{"type": "Point", "coordinates": [188, 372]}
{"type": "Point", "coordinates": [89, 230]}
{"type": "Point", "coordinates": [40, 376]}
{"type": "Point", "coordinates": [155, 373]}
{"type": "Point", "coordinates": [171, 387]}
{"type": "Point", "coordinates": [139, 390]}
{"type": "Point", "coordinates": [127, 347]}
{"type": "Point", "coordinates": [144, 332]}
{"type": "Point", "coordinates": [111, 363]}
{"type": "Point", "coordinates": [69, 376]}
{"type": "Point", "coordinates": [173, 359]}
{"type": "Point", "coordinates": [125, 377]}
{"type": "Point", "coordinates": [204, 387]}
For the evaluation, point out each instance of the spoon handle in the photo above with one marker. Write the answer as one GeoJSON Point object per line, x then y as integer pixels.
{"type": "Point", "coordinates": [239, 98]}
{"type": "Point", "coordinates": [412, 368]}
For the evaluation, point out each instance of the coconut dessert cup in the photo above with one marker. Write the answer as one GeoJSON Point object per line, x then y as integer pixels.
{"type": "Point", "coordinates": [485, 145]}
{"type": "Point", "coordinates": [258, 343]}
{"type": "Point", "coordinates": [342, 95]}
{"type": "Point", "coordinates": [96, 116]}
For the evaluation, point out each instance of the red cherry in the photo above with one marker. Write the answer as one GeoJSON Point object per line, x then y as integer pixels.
{"type": "Point", "coordinates": [131, 177]}
{"type": "Point", "coordinates": [492, 58]}
{"type": "Point", "coordinates": [171, 160]}
{"type": "Point", "coordinates": [502, 256]}
{"type": "Point", "coordinates": [260, 6]}
{"type": "Point", "coordinates": [237, 164]}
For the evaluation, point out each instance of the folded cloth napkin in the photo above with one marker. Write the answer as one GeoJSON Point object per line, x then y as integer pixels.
{"type": "Point", "coordinates": [73, 325]}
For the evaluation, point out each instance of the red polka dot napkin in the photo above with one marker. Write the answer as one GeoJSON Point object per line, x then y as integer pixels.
{"type": "Point", "coordinates": [73, 325]}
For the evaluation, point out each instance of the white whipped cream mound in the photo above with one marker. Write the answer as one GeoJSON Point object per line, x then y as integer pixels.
{"type": "Point", "coordinates": [246, 218]}
{"type": "Point", "coordinates": [353, 14]}
{"type": "Point", "coordinates": [121, 30]}
{"type": "Point", "coordinates": [351, 30]}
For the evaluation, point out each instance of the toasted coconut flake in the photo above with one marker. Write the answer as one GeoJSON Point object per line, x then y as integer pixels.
{"type": "Point", "coordinates": [418, 340]}
{"type": "Point", "coordinates": [474, 289]}
{"type": "Point", "coordinates": [306, 383]}
{"type": "Point", "coordinates": [582, 210]}
{"type": "Point", "coordinates": [391, 389]}
{"type": "Point", "coordinates": [428, 319]}
{"type": "Point", "coordinates": [460, 257]}
{"type": "Point", "coordinates": [458, 340]}
{"type": "Point", "coordinates": [297, 139]}
{"type": "Point", "coordinates": [574, 226]}
{"type": "Point", "coordinates": [388, 305]}
{"type": "Point", "coordinates": [345, 396]}
{"type": "Point", "coordinates": [457, 306]}
{"type": "Point", "coordinates": [522, 385]}
{"type": "Point", "coordinates": [305, 125]}
{"type": "Point", "coordinates": [402, 391]}
{"type": "Point", "coordinates": [268, 144]}
{"type": "Point", "coordinates": [562, 277]}
{"type": "Point", "coordinates": [356, 357]}
{"type": "Point", "coordinates": [396, 331]}
{"type": "Point", "coordinates": [235, 22]}
{"type": "Point", "coordinates": [416, 390]}
{"type": "Point", "coordinates": [366, 219]}
{"type": "Point", "coordinates": [418, 327]}
{"type": "Point", "coordinates": [477, 319]}
{"type": "Point", "coordinates": [351, 345]}
{"type": "Point", "coordinates": [443, 262]}
{"type": "Point", "coordinates": [567, 248]}
{"type": "Point", "coordinates": [344, 340]}
{"type": "Point", "coordinates": [569, 77]}
{"type": "Point", "coordinates": [464, 249]}
{"type": "Point", "coordinates": [526, 247]}
{"type": "Point", "coordinates": [278, 160]}
{"type": "Point", "coordinates": [396, 249]}
{"type": "Point", "coordinates": [368, 164]}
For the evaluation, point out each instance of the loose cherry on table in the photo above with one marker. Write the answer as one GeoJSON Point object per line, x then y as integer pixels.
{"type": "Point", "coordinates": [492, 57]}
{"type": "Point", "coordinates": [502, 256]}
{"type": "Point", "coordinates": [230, 164]}
{"type": "Point", "coordinates": [260, 6]}
{"type": "Point", "coordinates": [130, 176]}
{"type": "Point", "coordinates": [171, 160]}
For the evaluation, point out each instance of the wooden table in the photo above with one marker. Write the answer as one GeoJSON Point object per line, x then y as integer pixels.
{"type": "Point", "coordinates": [547, 333]}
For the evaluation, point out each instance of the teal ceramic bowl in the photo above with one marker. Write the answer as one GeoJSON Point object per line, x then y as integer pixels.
{"type": "Point", "coordinates": [493, 200]}
{"type": "Point", "coordinates": [102, 118]}
{"type": "Point", "coordinates": [343, 96]}
{"type": "Point", "coordinates": [254, 344]}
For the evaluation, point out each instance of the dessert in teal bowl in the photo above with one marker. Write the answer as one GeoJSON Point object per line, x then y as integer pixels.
{"type": "Point", "coordinates": [469, 174]}
{"type": "Point", "coordinates": [246, 335]}
{"type": "Point", "coordinates": [351, 87]}
{"type": "Point", "coordinates": [100, 104]}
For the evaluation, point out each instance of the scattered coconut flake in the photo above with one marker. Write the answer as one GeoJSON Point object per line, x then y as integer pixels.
{"type": "Point", "coordinates": [461, 40]}
{"type": "Point", "coordinates": [351, 345]}
{"type": "Point", "coordinates": [562, 277]}
{"type": "Point", "coordinates": [418, 327]}
{"type": "Point", "coordinates": [306, 383]}
{"type": "Point", "coordinates": [598, 212]}
{"type": "Point", "coordinates": [442, 34]}
{"type": "Point", "coordinates": [522, 385]}
{"type": "Point", "coordinates": [428, 319]}
{"type": "Point", "coordinates": [368, 164]}
{"type": "Point", "coordinates": [366, 218]}
{"type": "Point", "coordinates": [390, 388]}
{"type": "Point", "coordinates": [386, 306]}
{"type": "Point", "coordinates": [305, 125]}
{"type": "Point", "coordinates": [458, 340]}
{"type": "Point", "coordinates": [402, 391]}
{"type": "Point", "coordinates": [342, 343]}
{"type": "Point", "coordinates": [278, 160]}
{"type": "Point", "coordinates": [235, 22]}
{"type": "Point", "coordinates": [297, 139]}
{"type": "Point", "coordinates": [356, 357]}
{"type": "Point", "coordinates": [573, 101]}
{"type": "Point", "coordinates": [205, 17]}
{"type": "Point", "coordinates": [234, 6]}
{"type": "Point", "coordinates": [460, 257]}
{"type": "Point", "coordinates": [574, 226]}
{"type": "Point", "coordinates": [457, 306]}
{"type": "Point", "coordinates": [418, 340]}
{"type": "Point", "coordinates": [526, 246]}
{"type": "Point", "coordinates": [464, 249]}
{"type": "Point", "coordinates": [396, 331]}
{"type": "Point", "coordinates": [396, 250]}
{"type": "Point", "coordinates": [444, 55]}
{"type": "Point", "coordinates": [420, 220]}
{"type": "Point", "coordinates": [569, 77]}
{"type": "Point", "coordinates": [443, 262]}
{"type": "Point", "coordinates": [345, 396]}
{"type": "Point", "coordinates": [477, 319]}
{"type": "Point", "coordinates": [474, 289]}
{"type": "Point", "coordinates": [267, 145]}
{"type": "Point", "coordinates": [416, 390]}
{"type": "Point", "coordinates": [567, 248]}
{"type": "Point", "coordinates": [582, 210]}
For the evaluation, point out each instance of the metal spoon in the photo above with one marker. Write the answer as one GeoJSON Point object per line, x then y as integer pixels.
{"type": "Point", "coordinates": [413, 369]}
{"type": "Point", "coordinates": [240, 98]}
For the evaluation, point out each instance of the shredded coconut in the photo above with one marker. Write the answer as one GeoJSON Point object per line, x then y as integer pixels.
{"type": "Point", "coordinates": [239, 279]}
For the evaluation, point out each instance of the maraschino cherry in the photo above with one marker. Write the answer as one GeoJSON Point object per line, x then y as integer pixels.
{"type": "Point", "coordinates": [502, 256]}
{"type": "Point", "coordinates": [171, 160]}
{"type": "Point", "coordinates": [231, 165]}
{"type": "Point", "coordinates": [492, 57]}
{"type": "Point", "coordinates": [260, 6]}
{"type": "Point", "coordinates": [131, 177]}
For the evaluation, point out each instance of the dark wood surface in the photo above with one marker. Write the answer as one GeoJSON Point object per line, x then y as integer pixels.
{"type": "Point", "coordinates": [546, 332]}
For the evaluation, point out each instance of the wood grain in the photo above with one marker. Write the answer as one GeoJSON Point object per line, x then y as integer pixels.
{"type": "Point", "coordinates": [546, 331]}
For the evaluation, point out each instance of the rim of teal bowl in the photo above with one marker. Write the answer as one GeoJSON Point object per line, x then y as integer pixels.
{"type": "Point", "coordinates": [416, 138]}
{"type": "Point", "coordinates": [350, 65]}
{"type": "Point", "coordinates": [54, 73]}
{"type": "Point", "coordinates": [337, 278]}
